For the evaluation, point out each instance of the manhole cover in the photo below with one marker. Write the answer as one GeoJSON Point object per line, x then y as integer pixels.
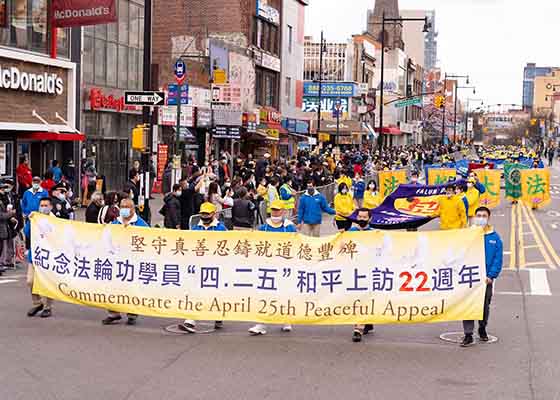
{"type": "Point", "coordinates": [553, 214]}
{"type": "Point", "coordinates": [201, 327]}
{"type": "Point", "coordinates": [457, 337]}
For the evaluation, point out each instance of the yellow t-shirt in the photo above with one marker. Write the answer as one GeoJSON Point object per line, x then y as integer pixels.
{"type": "Point", "coordinates": [344, 205]}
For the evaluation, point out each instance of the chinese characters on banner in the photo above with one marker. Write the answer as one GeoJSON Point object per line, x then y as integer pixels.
{"type": "Point", "coordinates": [535, 187]}
{"type": "Point", "coordinates": [390, 180]}
{"type": "Point", "coordinates": [512, 176]}
{"type": "Point", "coordinates": [439, 176]}
{"type": "Point", "coordinates": [491, 179]}
{"type": "Point", "coordinates": [368, 277]}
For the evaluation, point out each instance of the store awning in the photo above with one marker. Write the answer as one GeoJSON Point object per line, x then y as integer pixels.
{"type": "Point", "coordinates": [262, 134]}
{"type": "Point", "coordinates": [390, 130]}
{"type": "Point", "coordinates": [53, 136]}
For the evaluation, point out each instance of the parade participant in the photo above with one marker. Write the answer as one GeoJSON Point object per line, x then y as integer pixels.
{"type": "Point", "coordinates": [493, 252]}
{"type": "Point", "coordinates": [451, 210]}
{"type": "Point", "coordinates": [359, 188]}
{"type": "Point", "coordinates": [344, 206]}
{"type": "Point", "coordinates": [171, 209]}
{"type": "Point", "coordinates": [94, 207]}
{"type": "Point", "coordinates": [311, 206]}
{"type": "Point", "coordinates": [61, 207]}
{"type": "Point", "coordinates": [287, 195]}
{"type": "Point", "coordinates": [460, 193]}
{"type": "Point", "coordinates": [40, 303]}
{"type": "Point", "coordinates": [32, 197]}
{"type": "Point", "coordinates": [372, 198]}
{"type": "Point", "coordinates": [414, 178]}
{"type": "Point", "coordinates": [362, 222]}
{"type": "Point", "coordinates": [127, 217]}
{"type": "Point", "coordinates": [276, 223]}
{"type": "Point", "coordinates": [472, 194]}
{"type": "Point", "coordinates": [208, 222]}
{"type": "Point", "coordinates": [344, 178]}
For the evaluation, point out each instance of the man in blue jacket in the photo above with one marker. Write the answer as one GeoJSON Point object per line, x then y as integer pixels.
{"type": "Point", "coordinates": [32, 197]}
{"type": "Point", "coordinates": [311, 206]}
{"type": "Point", "coordinates": [493, 252]}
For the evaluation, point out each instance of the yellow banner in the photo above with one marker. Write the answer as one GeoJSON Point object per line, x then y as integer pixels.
{"type": "Point", "coordinates": [390, 180]}
{"type": "Point", "coordinates": [535, 187]}
{"type": "Point", "coordinates": [491, 179]}
{"type": "Point", "coordinates": [439, 176]}
{"type": "Point", "coordinates": [368, 277]}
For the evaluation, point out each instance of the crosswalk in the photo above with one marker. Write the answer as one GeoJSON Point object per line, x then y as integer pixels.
{"type": "Point", "coordinates": [12, 277]}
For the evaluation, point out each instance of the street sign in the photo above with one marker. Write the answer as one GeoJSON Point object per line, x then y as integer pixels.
{"type": "Point", "coordinates": [180, 71]}
{"type": "Point", "coordinates": [172, 90]}
{"type": "Point", "coordinates": [408, 102]}
{"type": "Point", "coordinates": [144, 98]}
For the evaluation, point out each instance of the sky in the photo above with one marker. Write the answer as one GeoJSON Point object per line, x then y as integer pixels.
{"type": "Point", "coordinates": [490, 40]}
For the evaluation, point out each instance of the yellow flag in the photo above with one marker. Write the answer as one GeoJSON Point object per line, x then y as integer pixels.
{"type": "Point", "coordinates": [490, 178]}
{"type": "Point", "coordinates": [390, 180]}
{"type": "Point", "coordinates": [439, 176]}
{"type": "Point", "coordinates": [535, 187]}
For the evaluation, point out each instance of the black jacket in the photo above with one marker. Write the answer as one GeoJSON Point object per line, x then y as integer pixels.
{"type": "Point", "coordinates": [172, 214]}
{"type": "Point", "coordinates": [92, 213]}
{"type": "Point", "coordinates": [132, 187]}
{"type": "Point", "coordinates": [243, 213]}
{"type": "Point", "coordinates": [187, 205]}
{"type": "Point", "coordinates": [61, 208]}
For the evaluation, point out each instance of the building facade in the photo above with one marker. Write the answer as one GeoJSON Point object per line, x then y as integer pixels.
{"type": "Point", "coordinates": [38, 105]}
{"type": "Point", "coordinates": [430, 44]}
{"type": "Point", "coordinates": [544, 89]}
{"type": "Point", "coordinates": [530, 72]}
{"type": "Point", "coordinates": [393, 30]}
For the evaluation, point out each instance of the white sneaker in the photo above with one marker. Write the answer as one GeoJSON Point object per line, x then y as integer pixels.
{"type": "Point", "coordinates": [287, 328]}
{"type": "Point", "coordinates": [188, 326]}
{"type": "Point", "coordinates": [258, 329]}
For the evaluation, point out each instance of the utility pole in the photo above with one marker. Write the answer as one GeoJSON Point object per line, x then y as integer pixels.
{"type": "Point", "coordinates": [321, 49]}
{"type": "Point", "coordinates": [382, 82]}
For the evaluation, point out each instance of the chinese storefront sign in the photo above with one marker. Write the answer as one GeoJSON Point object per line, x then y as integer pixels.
{"type": "Point", "coordinates": [368, 277]}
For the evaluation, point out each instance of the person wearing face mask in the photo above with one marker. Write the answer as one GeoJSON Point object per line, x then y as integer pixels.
{"type": "Point", "coordinates": [32, 197]}
{"type": "Point", "coordinates": [372, 198]}
{"type": "Point", "coordinates": [311, 206]}
{"type": "Point", "coordinates": [171, 209]}
{"type": "Point", "coordinates": [493, 254]}
{"type": "Point", "coordinates": [94, 207]}
{"type": "Point", "coordinates": [362, 225]}
{"type": "Point", "coordinates": [414, 178]}
{"type": "Point", "coordinates": [359, 188]}
{"type": "Point", "coordinates": [61, 207]}
{"type": "Point", "coordinates": [472, 194]}
{"type": "Point", "coordinates": [276, 223]}
{"type": "Point", "coordinates": [40, 303]}
{"type": "Point", "coordinates": [287, 195]}
{"type": "Point", "coordinates": [208, 222]}
{"type": "Point", "coordinates": [127, 217]}
{"type": "Point", "coordinates": [344, 206]}
{"type": "Point", "coordinates": [451, 212]}
{"type": "Point", "coordinates": [14, 224]}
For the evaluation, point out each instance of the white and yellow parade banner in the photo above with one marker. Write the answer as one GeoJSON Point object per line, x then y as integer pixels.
{"type": "Point", "coordinates": [535, 187]}
{"type": "Point", "coordinates": [368, 277]}
{"type": "Point", "coordinates": [389, 181]}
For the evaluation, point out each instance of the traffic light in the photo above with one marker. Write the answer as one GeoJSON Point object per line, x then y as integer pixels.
{"type": "Point", "coordinates": [139, 138]}
{"type": "Point", "coordinates": [439, 101]}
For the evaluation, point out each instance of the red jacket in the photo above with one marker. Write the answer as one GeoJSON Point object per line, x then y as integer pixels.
{"type": "Point", "coordinates": [24, 176]}
{"type": "Point", "coordinates": [48, 184]}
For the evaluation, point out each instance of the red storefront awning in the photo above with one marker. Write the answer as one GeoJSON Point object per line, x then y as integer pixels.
{"type": "Point", "coordinates": [390, 130]}
{"type": "Point", "coordinates": [53, 136]}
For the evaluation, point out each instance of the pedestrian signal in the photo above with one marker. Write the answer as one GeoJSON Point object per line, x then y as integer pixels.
{"type": "Point", "coordinates": [439, 101]}
{"type": "Point", "coordinates": [139, 138]}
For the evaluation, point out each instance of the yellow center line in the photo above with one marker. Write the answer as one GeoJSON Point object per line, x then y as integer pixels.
{"type": "Point", "coordinates": [512, 244]}
{"type": "Point", "coordinates": [521, 240]}
{"type": "Point", "coordinates": [545, 240]}
{"type": "Point", "coordinates": [547, 258]}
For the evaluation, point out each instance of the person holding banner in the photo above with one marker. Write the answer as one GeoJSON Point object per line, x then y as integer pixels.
{"type": "Point", "coordinates": [493, 252]}
{"type": "Point", "coordinates": [40, 303]}
{"type": "Point", "coordinates": [311, 206]}
{"type": "Point", "coordinates": [127, 217]}
{"type": "Point", "coordinates": [474, 190]}
{"type": "Point", "coordinates": [372, 198]}
{"type": "Point", "coordinates": [276, 223]}
{"type": "Point", "coordinates": [344, 207]}
{"type": "Point", "coordinates": [362, 222]}
{"type": "Point", "coordinates": [208, 222]}
{"type": "Point", "coordinates": [452, 213]}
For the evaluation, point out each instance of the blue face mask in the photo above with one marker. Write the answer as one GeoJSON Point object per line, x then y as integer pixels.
{"type": "Point", "coordinates": [124, 212]}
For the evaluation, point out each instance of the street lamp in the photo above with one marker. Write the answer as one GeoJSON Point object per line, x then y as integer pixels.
{"type": "Point", "coordinates": [426, 28]}
{"type": "Point", "coordinates": [445, 101]}
{"type": "Point", "coordinates": [455, 109]}
{"type": "Point", "coordinates": [322, 49]}
{"type": "Point", "coordinates": [467, 112]}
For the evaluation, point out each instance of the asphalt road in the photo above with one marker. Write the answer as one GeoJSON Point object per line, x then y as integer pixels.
{"type": "Point", "coordinates": [72, 356]}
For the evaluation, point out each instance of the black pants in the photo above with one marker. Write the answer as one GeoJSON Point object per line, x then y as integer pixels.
{"type": "Point", "coordinates": [346, 224]}
{"type": "Point", "coordinates": [468, 326]}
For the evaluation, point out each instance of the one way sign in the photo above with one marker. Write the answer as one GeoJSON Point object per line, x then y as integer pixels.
{"type": "Point", "coordinates": [144, 98]}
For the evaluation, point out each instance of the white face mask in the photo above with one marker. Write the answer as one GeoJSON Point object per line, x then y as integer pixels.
{"type": "Point", "coordinates": [344, 191]}
{"type": "Point", "coordinates": [277, 220]}
{"type": "Point", "coordinates": [178, 193]}
{"type": "Point", "coordinates": [480, 221]}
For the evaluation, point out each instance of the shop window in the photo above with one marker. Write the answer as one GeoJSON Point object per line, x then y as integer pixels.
{"type": "Point", "coordinates": [111, 64]}
{"type": "Point", "coordinates": [100, 62]}
{"type": "Point", "coordinates": [266, 87]}
{"type": "Point", "coordinates": [6, 161]}
{"type": "Point", "coordinates": [134, 28]}
{"type": "Point", "coordinates": [133, 68]}
{"type": "Point", "coordinates": [265, 36]}
{"type": "Point", "coordinates": [88, 61]}
{"type": "Point", "coordinates": [123, 22]}
{"type": "Point", "coordinates": [123, 67]}
{"type": "Point", "coordinates": [288, 90]}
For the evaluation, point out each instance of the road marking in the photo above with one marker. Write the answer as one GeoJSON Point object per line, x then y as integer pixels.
{"type": "Point", "coordinates": [539, 282]}
{"type": "Point", "coordinates": [512, 239]}
{"type": "Point", "coordinates": [544, 239]}
{"type": "Point", "coordinates": [532, 264]}
{"type": "Point", "coordinates": [7, 281]}
{"type": "Point", "coordinates": [521, 240]}
{"type": "Point", "coordinates": [533, 246]}
{"type": "Point", "coordinates": [547, 258]}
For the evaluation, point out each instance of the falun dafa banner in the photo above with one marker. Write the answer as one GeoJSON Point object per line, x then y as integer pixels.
{"type": "Point", "coordinates": [491, 179]}
{"type": "Point", "coordinates": [389, 181]}
{"type": "Point", "coordinates": [353, 277]}
{"type": "Point", "coordinates": [440, 176]}
{"type": "Point", "coordinates": [535, 187]}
